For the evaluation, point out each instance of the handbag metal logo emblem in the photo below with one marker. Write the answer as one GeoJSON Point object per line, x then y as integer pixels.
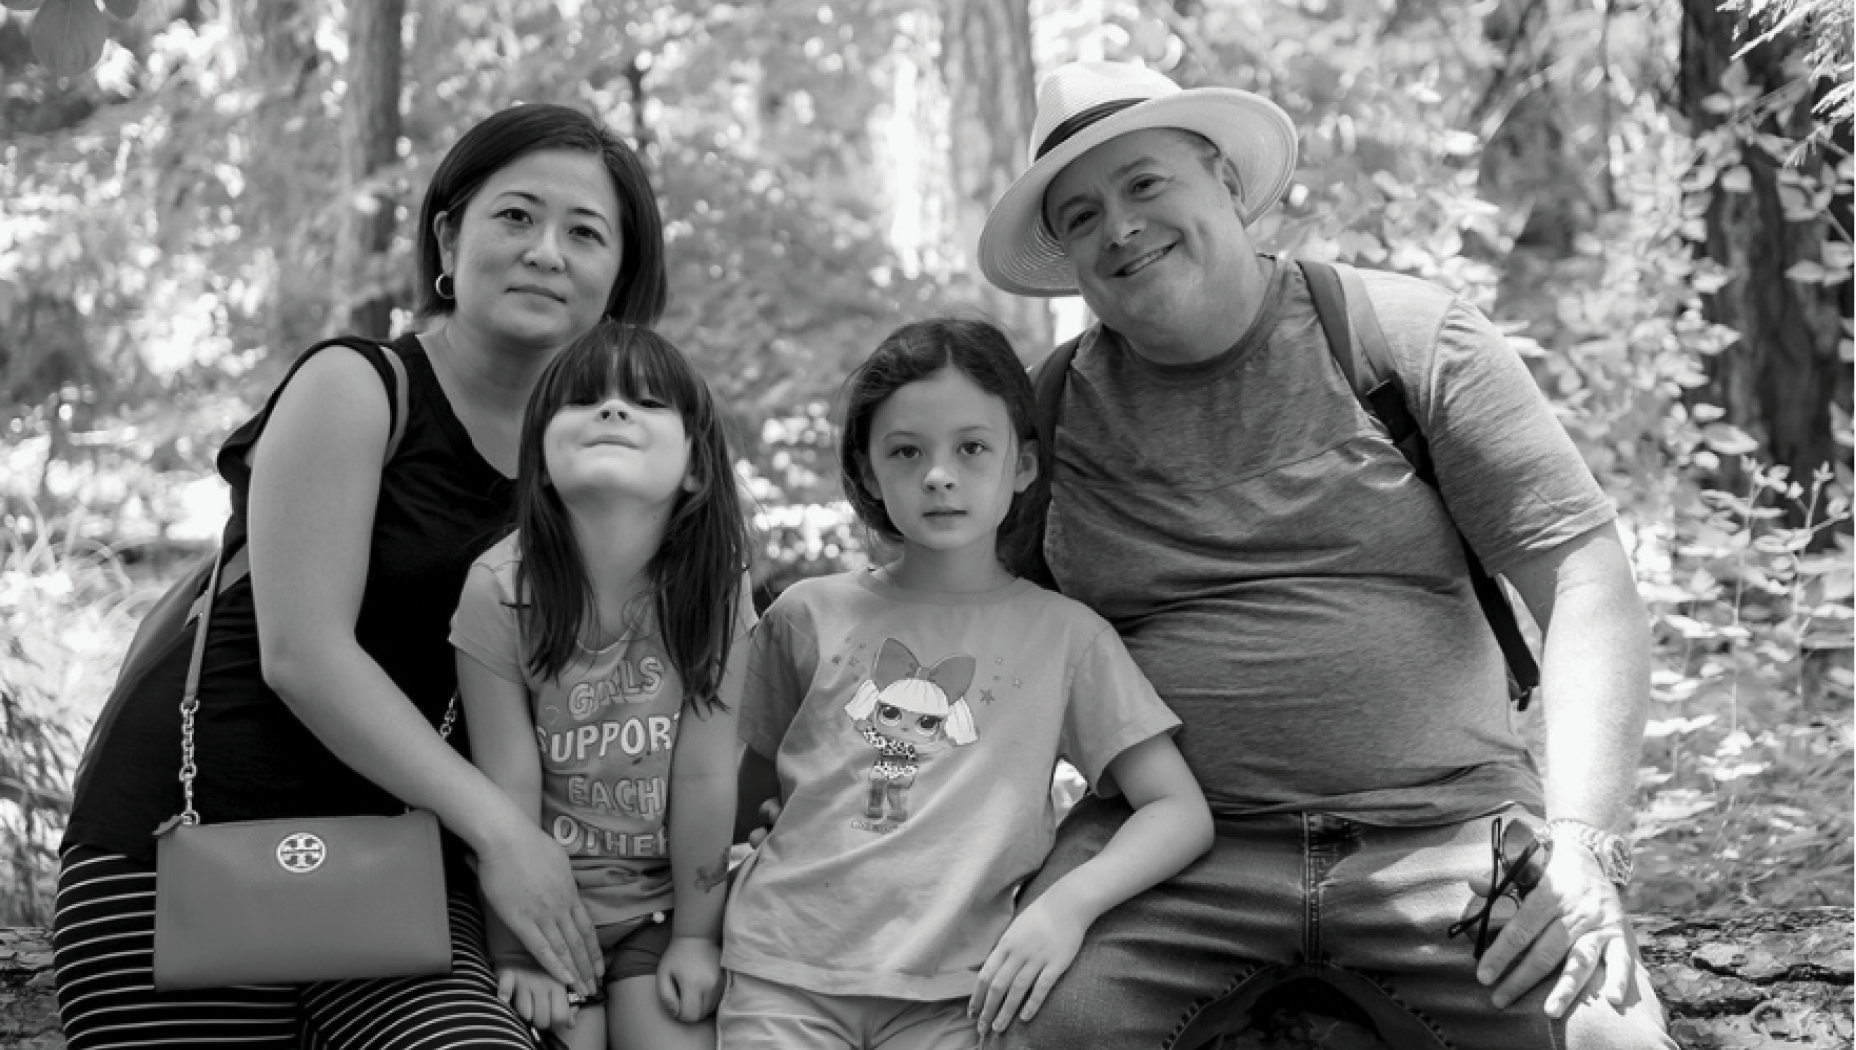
{"type": "Point", "coordinates": [301, 853]}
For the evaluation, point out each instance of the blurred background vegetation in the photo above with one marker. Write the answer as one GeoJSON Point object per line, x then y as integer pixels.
{"type": "Point", "coordinates": [1652, 195]}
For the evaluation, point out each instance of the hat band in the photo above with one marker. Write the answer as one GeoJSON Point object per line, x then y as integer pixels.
{"type": "Point", "coordinates": [1078, 121]}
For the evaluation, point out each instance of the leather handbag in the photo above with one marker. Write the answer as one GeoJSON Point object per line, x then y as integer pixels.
{"type": "Point", "coordinates": [297, 899]}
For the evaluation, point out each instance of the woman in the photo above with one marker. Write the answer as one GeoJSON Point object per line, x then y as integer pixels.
{"type": "Point", "coordinates": [329, 668]}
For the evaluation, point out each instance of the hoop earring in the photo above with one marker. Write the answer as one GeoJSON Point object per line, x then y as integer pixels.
{"type": "Point", "coordinates": [444, 286]}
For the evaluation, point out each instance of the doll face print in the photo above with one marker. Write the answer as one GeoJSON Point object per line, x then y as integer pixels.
{"type": "Point", "coordinates": [906, 712]}
{"type": "Point", "coordinates": [911, 726]}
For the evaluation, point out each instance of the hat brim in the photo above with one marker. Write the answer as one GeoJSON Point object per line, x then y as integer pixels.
{"type": "Point", "coordinates": [1017, 253]}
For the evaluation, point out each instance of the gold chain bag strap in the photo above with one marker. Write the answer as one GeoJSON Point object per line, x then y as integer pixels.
{"type": "Point", "coordinates": [298, 899]}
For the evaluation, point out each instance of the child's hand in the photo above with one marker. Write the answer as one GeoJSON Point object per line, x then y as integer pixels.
{"type": "Point", "coordinates": [536, 997]}
{"type": "Point", "coordinates": [1035, 950]}
{"type": "Point", "coordinates": [689, 978]}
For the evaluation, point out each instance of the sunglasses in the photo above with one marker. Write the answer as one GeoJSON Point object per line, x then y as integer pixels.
{"type": "Point", "coordinates": [1519, 860]}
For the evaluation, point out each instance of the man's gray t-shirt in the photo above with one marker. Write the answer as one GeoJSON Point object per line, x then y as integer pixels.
{"type": "Point", "coordinates": [1294, 592]}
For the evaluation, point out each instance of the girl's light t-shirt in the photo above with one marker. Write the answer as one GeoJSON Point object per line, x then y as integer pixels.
{"type": "Point", "coordinates": [605, 728]}
{"type": "Point", "coordinates": [915, 736]}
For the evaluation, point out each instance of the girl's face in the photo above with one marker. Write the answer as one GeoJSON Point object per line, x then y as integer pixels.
{"type": "Point", "coordinates": [945, 461]}
{"type": "Point", "coordinates": [618, 448]}
{"type": "Point", "coordinates": [536, 251]}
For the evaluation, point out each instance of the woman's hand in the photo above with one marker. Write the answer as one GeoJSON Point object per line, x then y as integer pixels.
{"type": "Point", "coordinates": [689, 978]}
{"type": "Point", "coordinates": [527, 881]}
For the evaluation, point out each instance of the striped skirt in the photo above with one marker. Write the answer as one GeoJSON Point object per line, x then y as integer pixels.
{"type": "Point", "coordinates": [103, 941]}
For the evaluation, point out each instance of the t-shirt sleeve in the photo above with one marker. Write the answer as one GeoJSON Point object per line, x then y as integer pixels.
{"type": "Point", "coordinates": [1112, 706]}
{"type": "Point", "coordinates": [1511, 476]}
{"type": "Point", "coordinates": [779, 672]}
{"type": "Point", "coordinates": [484, 625]}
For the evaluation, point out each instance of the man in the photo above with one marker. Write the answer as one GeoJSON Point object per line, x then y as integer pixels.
{"type": "Point", "coordinates": [1299, 597]}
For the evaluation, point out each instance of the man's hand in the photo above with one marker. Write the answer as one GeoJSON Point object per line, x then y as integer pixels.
{"type": "Point", "coordinates": [1034, 951]}
{"type": "Point", "coordinates": [1572, 916]}
{"type": "Point", "coordinates": [536, 997]}
{"type": "Point", "coordinates": [689, 978]}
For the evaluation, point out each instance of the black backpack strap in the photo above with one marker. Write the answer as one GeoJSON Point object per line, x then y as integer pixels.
{"type": "Point", "coordinates": [1048, 378]}
{"type": "Point", "coordinates": [1344, 311]}
{"type": "Point", "coordinates": [238, 562]}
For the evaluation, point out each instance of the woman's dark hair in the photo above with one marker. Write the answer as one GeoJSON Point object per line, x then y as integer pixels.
{"type": "Point", "coordinates": [695, 576]}
{"type": "Point", "coordinates": [641, 289]}
{"type": "Point", "coordinates": [918, 350]}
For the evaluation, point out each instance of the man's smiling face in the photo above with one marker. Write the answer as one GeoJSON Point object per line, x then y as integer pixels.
{"type": "Point", "coordinates": [1152, 232]}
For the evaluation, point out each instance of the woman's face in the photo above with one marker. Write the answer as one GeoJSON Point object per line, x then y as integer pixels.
{"type": "Point", "coordinates": [536, 251]}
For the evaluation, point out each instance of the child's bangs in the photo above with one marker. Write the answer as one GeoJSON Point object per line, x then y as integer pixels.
{"type": "Point", "coordinates": [636, 365]}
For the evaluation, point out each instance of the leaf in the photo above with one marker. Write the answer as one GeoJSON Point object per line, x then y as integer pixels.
{"type": "Point", "coordinates": [1658, 728]}
{"type": "Point", "coordinates": [68, 35]}
{"type": "Point", "coordinates": [1728, 440]}
{"type": "Point", "coordinates": [1688, 626]}
{"type": "Point", "coordinates": [122, 8]}
{"type": "Point", "coordinates": [1737, 179]}
{"type": "Point", "coordinates": [1806, 271]}
{"type": "Point", "coordinates": [1839, 256]}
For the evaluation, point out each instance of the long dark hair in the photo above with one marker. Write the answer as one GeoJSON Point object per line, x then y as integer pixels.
{"type": "Point", "coordinates": [695, 576]}
{"type": "Point", "coordinates": [980, 351]}
{"type": "Point", "coordinates": [641, 289]}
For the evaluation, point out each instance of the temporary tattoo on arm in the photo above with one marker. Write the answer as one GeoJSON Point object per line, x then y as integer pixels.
{"type": "Point", "coordinates": [709, 876]}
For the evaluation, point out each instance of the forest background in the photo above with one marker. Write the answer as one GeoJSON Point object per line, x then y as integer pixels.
{"type": "Point", "coordinates": [1652, 196]}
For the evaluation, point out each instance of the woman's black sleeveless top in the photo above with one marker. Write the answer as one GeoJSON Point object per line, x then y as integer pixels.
{"type": "Point", "coordinates": [440, 506]}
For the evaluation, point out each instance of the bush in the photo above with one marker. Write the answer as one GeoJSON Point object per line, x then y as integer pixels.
{"type": "Point", "coordinates": [67, 611]}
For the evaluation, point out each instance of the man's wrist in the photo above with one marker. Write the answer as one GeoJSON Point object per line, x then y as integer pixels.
{"type": "Point", "coordinates": [1611, 850]}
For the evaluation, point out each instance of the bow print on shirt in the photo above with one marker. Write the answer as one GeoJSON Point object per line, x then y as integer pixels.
{"type": "Point", "coordinates": [907, 712]}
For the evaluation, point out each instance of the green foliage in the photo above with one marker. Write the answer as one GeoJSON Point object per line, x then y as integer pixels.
{"type": "Point", "coordinates": [1825, 26]}
{"type": "Point", "coordinates": [1747, 796]}
{"type": "Point", "coordinates": [67, 610]}
{"type": "Point", "coordinates": [1748, 767]}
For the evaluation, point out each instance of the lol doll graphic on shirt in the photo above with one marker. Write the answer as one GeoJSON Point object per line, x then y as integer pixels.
{"type": "Point", "coordinates": [908, 712]}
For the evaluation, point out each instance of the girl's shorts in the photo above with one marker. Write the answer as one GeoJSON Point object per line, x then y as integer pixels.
{"type": "Point", "coordinates": [634, 947]}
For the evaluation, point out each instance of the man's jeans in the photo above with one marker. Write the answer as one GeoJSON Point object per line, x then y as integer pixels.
{"type": "Point", "coordinates": [1278, 898]}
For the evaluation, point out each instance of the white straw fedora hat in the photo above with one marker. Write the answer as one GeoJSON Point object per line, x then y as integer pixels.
{"type": "Point", "coordinates": [1084, 104]}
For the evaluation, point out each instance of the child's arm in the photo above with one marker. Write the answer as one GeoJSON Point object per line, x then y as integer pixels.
{"type": "Point", "coordinates": [502, 744]}
{"type": "Point", "coordinates": [702, 820]}
{"type": "Point", "coordinates": [1171, 827]}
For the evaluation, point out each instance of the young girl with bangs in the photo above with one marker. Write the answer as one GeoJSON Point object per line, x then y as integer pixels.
{"type": "Point", "coordinates": [598, 651]}
{"type": "Point", "coordinates": [909, 718]}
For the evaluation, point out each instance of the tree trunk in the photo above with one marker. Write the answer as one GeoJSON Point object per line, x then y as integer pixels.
{"type": "Point", "coordinates": [986, 67]}
{"type": "Point", "coordinates": [370, 138]}
{"type": "Point", "coordinates": [1781, 379]}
